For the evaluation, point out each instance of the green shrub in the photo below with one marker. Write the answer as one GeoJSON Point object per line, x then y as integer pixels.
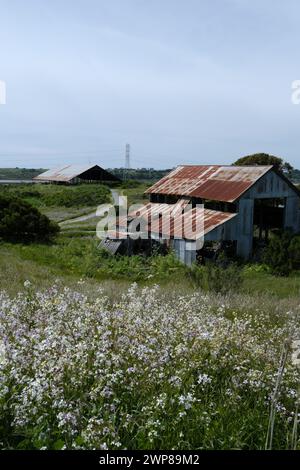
{"type": "Point", "coordinates": [282, 254]}
{"type": "Point", "coordinates": [84, 257]}
{"type": "Point", "coordinates": [21, 222]}
{"type": "Point", "coordinates": [216, 278]}
{"type": "Point", "coordinates": [294, 252]}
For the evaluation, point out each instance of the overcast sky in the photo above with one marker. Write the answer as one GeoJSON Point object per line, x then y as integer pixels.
{"type": "Point", "coordinates": [182, 81]}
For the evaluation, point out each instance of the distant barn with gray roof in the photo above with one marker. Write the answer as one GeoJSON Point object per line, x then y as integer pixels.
{"type": "Point", "coordinates": [73, 174]}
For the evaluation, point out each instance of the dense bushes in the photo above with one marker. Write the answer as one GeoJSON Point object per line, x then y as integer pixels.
{"type": "Point", "coordinates": [216, 278]}
{"type": "Point", "coordinates": [83, 257]}
{"type": "Point", "coordinates": [21, 222]}
{"type": "Point", "coordinates": [282, 254]}
{"type": "Point", "coordinates": [56, 195]}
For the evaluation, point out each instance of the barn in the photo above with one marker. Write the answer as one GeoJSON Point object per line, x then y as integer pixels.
{"type": "Point", "coordinates": [74, 174]}
{"type": "Point", "coordinates": [260, 198]}
{"type": "Point", "coordinates": [242, 204]}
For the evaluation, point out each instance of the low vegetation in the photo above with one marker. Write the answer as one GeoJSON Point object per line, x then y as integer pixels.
{"type": "Point", "coordinates": [52, 195]}
{"type": "Point", "coordinates": [139, 174]}
{"type": "Point", "coordinates": [81, 257]}
{"type": "Point", "coordinates": [72, 257]}
{"type": "Point", "coordinates": [20, 222]}
{"type": "Point", "coordinates": [282, 254]}
{"type": "Point", "coordinates": [150, 370]}
{"type": "Point", "coordinates": [149, 174]}
{"type": "Point", "coordinates": [93, 354]}
{"type": "Point", "coordinates": [135, 192]}
{"type": "Point", "coordinates": [19, 173]}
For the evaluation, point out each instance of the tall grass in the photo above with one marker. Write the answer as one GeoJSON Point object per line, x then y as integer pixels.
{"type": "Point", "coordinates": [82, 257]}
{"type": "Point", "coordinates": [275, 396]}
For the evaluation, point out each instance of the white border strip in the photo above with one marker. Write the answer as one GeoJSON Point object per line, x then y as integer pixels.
{"type": "Point", "coordinates": [2, 92]}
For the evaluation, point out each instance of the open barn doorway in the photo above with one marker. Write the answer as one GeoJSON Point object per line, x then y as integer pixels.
{"type": "Point", "coordinates": [268, 215]}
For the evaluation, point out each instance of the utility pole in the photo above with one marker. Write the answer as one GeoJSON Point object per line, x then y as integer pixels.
{"type": "Point", "coordinates": [127, 161]}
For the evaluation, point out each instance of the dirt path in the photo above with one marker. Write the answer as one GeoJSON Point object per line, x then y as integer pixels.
{"type": "Point", "coordinates": [117, 199]}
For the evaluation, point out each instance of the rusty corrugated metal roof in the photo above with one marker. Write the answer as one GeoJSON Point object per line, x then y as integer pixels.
{"type": "Point", "coordinates": [215, 182]}
{"type": "Point", "coordinates": [64, 173]}
{"type": "Point", "coordinates": [111, 245]}
{"type": "Point", "coordinates": [180, 224]}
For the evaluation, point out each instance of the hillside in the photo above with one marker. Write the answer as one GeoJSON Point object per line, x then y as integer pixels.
{"type": "Point", "coordinates": [177, 356]}
{"type": "Point", "coordinates": [132, 174]}
{"type": "Point", "coordinates": [19, 173]}
{"type": "Point", "coordinates": [142, 174]}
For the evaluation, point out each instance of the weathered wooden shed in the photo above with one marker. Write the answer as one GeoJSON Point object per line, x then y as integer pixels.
{"type": "Point", "coordinates": [259, 197]}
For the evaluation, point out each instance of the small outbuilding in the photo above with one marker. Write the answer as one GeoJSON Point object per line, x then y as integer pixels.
{"type": "Point", "coordinates": [74, 174]}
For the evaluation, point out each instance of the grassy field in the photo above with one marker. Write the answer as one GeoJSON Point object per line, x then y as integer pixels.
{"type": "Point", "coordinates": [73, 257]}
{"type": "Point", "coordinates": [75, 253]}
{"type": "Point", "coordinates": [62, 214]}
{"type": "Point", "coordinates": [94, 365]}
{"type": "Point", "coordinates": [272, 286]}
{"type": "Point", "coordinates": [191, 364]}
{"type": "Point", "coordinates": [19, 173]}
{"type": "Point", "coordinates": [135, 194]}
{"type": "Point", "coordinates": [58, 196]}
{"type": "Point", "coordinates": [65, 203]}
